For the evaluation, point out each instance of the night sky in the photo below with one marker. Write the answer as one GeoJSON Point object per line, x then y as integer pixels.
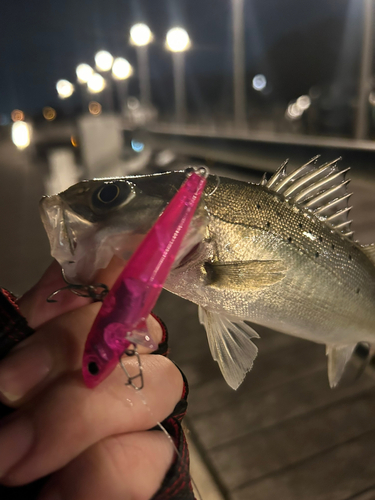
{"type": "Point", "coordinates": [295, 43]}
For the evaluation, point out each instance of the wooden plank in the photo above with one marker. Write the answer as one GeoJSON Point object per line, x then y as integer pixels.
{"type": "Point", "coordinates": [254, 411]}
{"type": "Point", "coordinates": [271, 370]}
{"type": "Point", "coordinates": [287, 443]}
{"type": "Point", "coordinates": [367, 494]}
{"type": "Point", "coordinates": [334, 475]}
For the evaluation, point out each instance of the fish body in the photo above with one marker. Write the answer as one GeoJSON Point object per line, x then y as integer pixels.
{"type": "Point", "coordinates": [279, 254]}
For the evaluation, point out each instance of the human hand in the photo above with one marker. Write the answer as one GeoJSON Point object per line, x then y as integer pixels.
{"type": "Point", "coordinates": [95, 443]}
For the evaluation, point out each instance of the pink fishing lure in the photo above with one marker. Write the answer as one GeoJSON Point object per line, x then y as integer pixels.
{"type": "Point", "coordinates": [121, 319]}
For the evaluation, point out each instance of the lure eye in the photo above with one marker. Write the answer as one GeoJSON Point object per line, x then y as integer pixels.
{"type": "Point", "coordinates": [93, 368]}
{"type": "Point", "coordinates": [108, 193]}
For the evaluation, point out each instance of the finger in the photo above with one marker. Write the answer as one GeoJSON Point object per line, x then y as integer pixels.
{"type": "Point", "coordinates": [119, 467]}
{"type": "Point", "coordinates": [33, 304]}
{"type": "Point", "coordinates": [56, 348]}
{"type": "Point", "coordinates": [69, 418]}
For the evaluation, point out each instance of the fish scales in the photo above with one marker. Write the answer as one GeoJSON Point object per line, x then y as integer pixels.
{"type": "Point", "coordinates": [253, 254]}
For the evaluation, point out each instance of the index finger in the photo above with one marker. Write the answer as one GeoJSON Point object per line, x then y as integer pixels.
{"type": "Point", "coordinates": [37, 311]}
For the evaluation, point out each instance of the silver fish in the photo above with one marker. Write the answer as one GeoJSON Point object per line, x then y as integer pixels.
{"type": "Point", "coordinates": [280, 254]}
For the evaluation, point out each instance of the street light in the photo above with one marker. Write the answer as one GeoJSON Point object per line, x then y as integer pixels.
{"type": "Point", "coordinates": [64, 89]}
{"type": "Point", "coordinates": [121, 69]}
{"type": "Point", "coordinates": [103, 60]}
{"type": "Point", "coordinates": [141, 36]}
{"type": "Point", "coordinates": [21, 134]}
{"type": "Point", "coordinates": [96, 84]}
{"type": "Point", "coordinates": [83, 72]}
{"type": "Point", "coordinates": [178, 41]}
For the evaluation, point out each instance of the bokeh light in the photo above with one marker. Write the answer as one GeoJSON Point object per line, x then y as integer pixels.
{"type": "Point", "coordinates": [74, 141]}
{"type": "Point", "coordinates": [83, 72]}
{"type": "Point", "coordinates": [103, 60]}
{"type": "Point", "coordinates": [303, 102]}
{"type": "Point", "coordinates": [137, 146]}
{"type": "Point", "coordinates": [95, 108]}
{"type": "Point", "coordinates": [121, 69]}
{"type": "Point", "coordinates": [293, 111]}
{"type": "Point", "coordinates": [140, 34]}
{"type": "Point", "coordinates": [96, 83]}
{"type": "Point", "coordinates": [64, 89]}
{"type": "Point", "coordinates": [259, 82]}
{"type": "Point", "coordinates": [21, 134]}
{"type": "Point", "coordinates": [133, 103]}
{"type": "Point", "coordinates": [177, 40]}
{"type": "Point", "coordinates": [49, 113]}
{"type": "Point", "coordinates": [17, 115]}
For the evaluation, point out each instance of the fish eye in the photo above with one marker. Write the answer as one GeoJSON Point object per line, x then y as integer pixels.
{"type": "Point", "coordinates": [108, 193]}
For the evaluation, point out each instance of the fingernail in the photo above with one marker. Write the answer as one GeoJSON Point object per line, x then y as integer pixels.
{"type": "Point", "coordinates": [24, 369]}
{"type": "Point", "coordinates": [16, 439]}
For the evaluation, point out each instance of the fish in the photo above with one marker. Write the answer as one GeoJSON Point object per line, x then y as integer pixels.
{"type": "Point", "coordinates": [280, 254]}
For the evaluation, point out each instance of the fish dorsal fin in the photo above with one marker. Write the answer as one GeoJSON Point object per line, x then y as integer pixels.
{"type": "Point", "coordinates": [369, 250]}
{"type": "Point", "coordinates": [338, 356]}
{"type": "Point", "coordinates": [320, 188]}
{"type": "Point", "coordinates": [252, 274]}
{"type": "Point", "coordinates": [230, 343]}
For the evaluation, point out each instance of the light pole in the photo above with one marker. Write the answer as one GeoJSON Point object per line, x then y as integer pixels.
{"type": "Point", "coordinates": [141, 36]}
{"type": "Point", "coordinates": [121, 72]}
{"type": "Point", "coordinates": [178, 41]}
{"type": "Point", "coordinates": [84, 72]}
{"type": "Point", "coordinates": [64, 90]}
{"type": "Point", "coordinates": [361, 125]}
{"type": "Point", "coordinates": [104, 63]}
{"type": "Point", "coordinates": [239, 88]}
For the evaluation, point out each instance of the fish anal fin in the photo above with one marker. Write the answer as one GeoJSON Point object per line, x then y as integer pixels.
{"type": "Point", "coordinates": [230, 343]}
{"type": "Point", "coordinates": [369, 250]}
{"type": "Point", "coordinates": [338, 356]}
{"type": "Point", "coordinates": [253, 274]}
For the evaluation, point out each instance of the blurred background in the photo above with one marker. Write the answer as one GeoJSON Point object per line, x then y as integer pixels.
{"type": "Point", "coordinates": [107, 88]}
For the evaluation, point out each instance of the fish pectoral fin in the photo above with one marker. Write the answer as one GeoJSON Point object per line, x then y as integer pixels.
{"type": "Point", "coordinates": [338, 356]}
{"type": "Point", "coordinates": [251, 274]}
{"type": "Point", "coordinates": [230, 343]}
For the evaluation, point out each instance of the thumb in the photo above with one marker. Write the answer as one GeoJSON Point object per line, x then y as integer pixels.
{"type": "Point", "coordinates": [34, 306]}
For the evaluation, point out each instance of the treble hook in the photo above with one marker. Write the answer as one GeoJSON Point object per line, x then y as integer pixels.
{"type": "Point", "coordinates": [133, 352]}
{"type": "Point", "coordinates": [82, 290]}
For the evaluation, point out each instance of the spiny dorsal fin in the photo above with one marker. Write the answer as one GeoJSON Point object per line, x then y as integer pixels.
{"type": "Point", "coordinates": [369, 250]}
{"type": "Point", "coordinates": [321, 188]}
{"type": "Point", "coordinates": [278, 176]}
{"type": "Point", "coordinates": [252, 274]}
{"type": "Point", "coordinates": [230, 343]}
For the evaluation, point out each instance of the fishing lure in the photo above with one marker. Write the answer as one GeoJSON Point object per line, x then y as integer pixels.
{"type": "Point", "coordinates": [120, 323]}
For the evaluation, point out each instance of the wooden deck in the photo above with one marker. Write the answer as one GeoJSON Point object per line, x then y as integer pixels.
{"type": "Point", "coordinates": [284, 434]}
